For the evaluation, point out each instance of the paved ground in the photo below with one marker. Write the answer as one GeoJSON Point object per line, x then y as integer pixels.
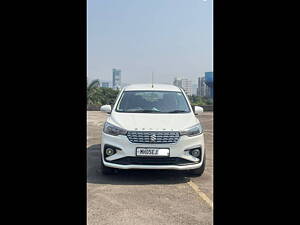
{"type": "Point", "coordinates": [146, 197]}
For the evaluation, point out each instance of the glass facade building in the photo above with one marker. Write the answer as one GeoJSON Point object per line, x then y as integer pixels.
{"type": "Point", "coordinates": [209, 81]}
{"type": "Point", "coordinates": [116, 78]}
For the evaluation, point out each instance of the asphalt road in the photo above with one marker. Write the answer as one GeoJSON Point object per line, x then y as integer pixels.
{"type": "Point", "coordinates": [146, 197]}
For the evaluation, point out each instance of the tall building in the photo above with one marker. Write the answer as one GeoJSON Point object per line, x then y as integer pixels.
{"type": "Point", "coordinates": [209, 80]}
{"type": "Point", "coordinates": [116, 79]}
{"type": "Point", "coordinates": [205, 85]}
{"type": "Point", "coordinates": [185, 84]}
{"type": "Point", "coordinates": [202, 87]}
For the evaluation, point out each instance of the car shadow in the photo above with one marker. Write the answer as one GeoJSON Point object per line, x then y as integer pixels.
{"type": "Point", "coordinates": [130, 177]}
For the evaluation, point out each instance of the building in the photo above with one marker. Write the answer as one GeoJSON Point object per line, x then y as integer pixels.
{"type": "Point", "coordinates": [209, 80]}
{"type": "Point", "coordinates": [205, 85]}
{"type": "Point", "coordinates": [105, 84]}
{"type": "Point", "coordinates": [177, 82]}
{"type": "Point", "coordinates": [116, 79]}
{"type": "Point", "coordinates": [202, 87]}
{"type": "Point", "coordinates": [185, 84]}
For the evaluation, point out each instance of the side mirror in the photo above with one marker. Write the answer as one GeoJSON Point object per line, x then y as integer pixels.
{"type": "Point", "coordinates": [105, 108]}
{"type": "Point", "coordinates": [198, 110]}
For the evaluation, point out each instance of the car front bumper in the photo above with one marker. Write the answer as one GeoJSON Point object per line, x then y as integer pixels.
{"type": "Point", "coordinates": [179, 150]}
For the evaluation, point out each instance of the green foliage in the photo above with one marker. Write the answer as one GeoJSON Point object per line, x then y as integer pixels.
{"type": "Point", "coordinates": [99, 95]}
{"type": "Point", "coordinates": [200, 101]}
{"type": "Point", "coordinates": [94, 83]}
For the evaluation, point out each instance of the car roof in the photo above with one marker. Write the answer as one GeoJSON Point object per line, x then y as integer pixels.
{"type": "Point", "coordinates": [148, 87]}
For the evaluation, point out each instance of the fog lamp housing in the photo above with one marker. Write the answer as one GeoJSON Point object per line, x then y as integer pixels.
{"type": "Point", "coordinates": [109, 150]}
{"type": "Point", "coordinates": [195, 152]}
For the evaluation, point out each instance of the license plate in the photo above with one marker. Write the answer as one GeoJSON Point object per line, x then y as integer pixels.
{"type": "Point", "coordinates": [152, 152]}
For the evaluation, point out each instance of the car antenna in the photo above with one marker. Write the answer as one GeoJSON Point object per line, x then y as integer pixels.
{"type": "Point", "coordinates": [152, 80]}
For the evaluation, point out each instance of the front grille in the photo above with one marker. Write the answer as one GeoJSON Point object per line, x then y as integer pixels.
{"type": "Point", "coordinates": [154, 137]}
{"type": "Point", "coordinates": [129, 160]}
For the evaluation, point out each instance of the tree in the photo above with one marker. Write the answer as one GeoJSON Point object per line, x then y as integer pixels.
{"type": "Point", "coordinates": [94, 83]}
{"type": "Point", "coordinates": [97, 95]}
{"type": "Point", "coordinates": [200, 101]}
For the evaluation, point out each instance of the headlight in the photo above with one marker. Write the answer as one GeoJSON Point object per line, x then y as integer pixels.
{"type": "Point", "coordinates": [192, 131]}
{"type": "Point", "coordinates": [113, 130]}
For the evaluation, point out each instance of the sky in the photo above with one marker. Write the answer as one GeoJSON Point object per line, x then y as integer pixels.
{"type": "Point", "coordinates": [171, 38]}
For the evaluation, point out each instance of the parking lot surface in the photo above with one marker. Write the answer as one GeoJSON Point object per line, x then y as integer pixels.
{"type": "Point", "coordinates": [146, 197]}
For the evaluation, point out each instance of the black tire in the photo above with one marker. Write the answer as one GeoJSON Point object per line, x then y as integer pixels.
{"type": "Point", "coordinates": [199, 171]}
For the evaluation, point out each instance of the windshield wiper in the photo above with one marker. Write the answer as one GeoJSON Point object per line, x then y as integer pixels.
{"type": "Point", "coordinates": [177, 111]}
{"type": "Point", "coordinates": [145, 111]}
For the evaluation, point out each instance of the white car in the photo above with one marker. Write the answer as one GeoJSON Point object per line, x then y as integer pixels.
{"type": "Point", "coordinates": [152, 127]}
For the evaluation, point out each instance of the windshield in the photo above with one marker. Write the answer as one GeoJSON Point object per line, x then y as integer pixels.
{"type": "Point", "coordinates": [153, 102]}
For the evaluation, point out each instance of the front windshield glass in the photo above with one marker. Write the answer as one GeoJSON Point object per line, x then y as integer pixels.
{"type": "Point", "coordinates": [153, 102]}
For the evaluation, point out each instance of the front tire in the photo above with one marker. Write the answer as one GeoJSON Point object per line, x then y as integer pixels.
{"type": "Point", "coordinates": [199, 171]}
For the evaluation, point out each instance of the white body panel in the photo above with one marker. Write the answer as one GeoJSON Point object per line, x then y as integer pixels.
{"type": "Point", "coordinates": [176, 150]}
{"type": "Point", "coordinates": [152, 121]}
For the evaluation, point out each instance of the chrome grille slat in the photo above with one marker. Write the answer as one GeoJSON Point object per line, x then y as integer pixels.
{"type": "Point", "coordinates": [160, 136]}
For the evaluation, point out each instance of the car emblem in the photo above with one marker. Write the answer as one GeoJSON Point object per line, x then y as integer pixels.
{"type": "Point", "coordinates": [153, 138]}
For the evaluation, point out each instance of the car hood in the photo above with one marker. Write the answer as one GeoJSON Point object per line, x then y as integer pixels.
{"type": "Point", "coordinates": [153, 121]}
